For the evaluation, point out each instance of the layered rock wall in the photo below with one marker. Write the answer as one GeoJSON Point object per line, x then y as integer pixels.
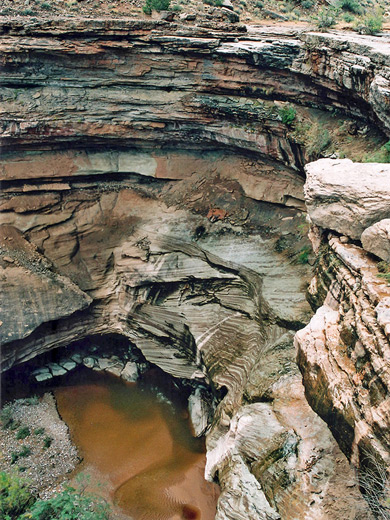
{"type": "Point", "coordinates": [344, 352]}
{"type": "Point", "coordinates": [147, 174]}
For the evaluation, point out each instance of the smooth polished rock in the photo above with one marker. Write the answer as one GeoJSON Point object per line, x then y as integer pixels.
{"type": "Point", "coordinates": [347, 197]}
{"type": "Point", "coordinates": [376, 239]}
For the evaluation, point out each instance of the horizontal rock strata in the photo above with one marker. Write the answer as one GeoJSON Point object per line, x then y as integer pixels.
{"type": "Point", "coordinates": [149, 168]}
{"type": "Point", "coordinates": [344, 352]}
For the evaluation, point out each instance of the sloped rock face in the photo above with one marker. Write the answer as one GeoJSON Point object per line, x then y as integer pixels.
{"type": "Point", "coordinates": [344, 351]}
{"type": "Point", "coordinates": [148, 168]}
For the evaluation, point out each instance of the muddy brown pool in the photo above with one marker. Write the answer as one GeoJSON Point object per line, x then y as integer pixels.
{"type": "Point", "coordinates": [139, 449]}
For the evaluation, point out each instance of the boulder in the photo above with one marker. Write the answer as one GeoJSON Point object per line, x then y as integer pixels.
{"type": "Point", "coordinates": [228, 5]}
{"type": "Point", "coordinates": [347, 197]}
{"type": "Point", "coordinates": [56, 369]}
{"type": "Point", "coordinates": [376, 239]}
{"type": "Point", "coordinates": [130, 372]}
{"type": "Point", "coordinates": [229, 15]}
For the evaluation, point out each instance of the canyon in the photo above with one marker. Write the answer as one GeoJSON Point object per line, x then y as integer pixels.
{"type": "Point", "coordinates": [156, 191]}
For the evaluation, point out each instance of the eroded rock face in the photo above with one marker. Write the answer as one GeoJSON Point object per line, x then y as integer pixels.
{"type": "Point", "coordinates": [344, 352]}
{"type": "Point", "coordinates": [157, 178]}
{"type": "Point", "coordinates": [32, 293]}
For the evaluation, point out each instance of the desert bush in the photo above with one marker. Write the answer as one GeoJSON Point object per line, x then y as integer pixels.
{"type": "Point", "coordinates": [32, 401]}
{"type": "Point", "coordinates": [350, 5]}
{"type": "Point", "coordinates": [318, 141]}
{"type": "Point", "coordinates": [47, 441]}
{"type": "Point", "coordinates": [386, 149]}
{"type": "Point", "coordinates": [381, 155]}
{"type": "Point", "coordinates": [370, 24]}
{"type": "Point", "coordinates": [287, 114]}
{"type": "Point", "coordinates": [155, 5]}
{"type": "Point", "coordinates": [69, 505]}
{"type": "Point", "coordinates": [18, 503]}
{"type": "Point", "coordinates": [307, 4]}
{"type": "Point", "coordinates": [384, 270]}
{"type": "Point", "coordinates": [25, 451]}
{"type": "Point", "coordinates": [326, 18]}
{"type": "Point", "coordinates": [7, 418]}
{"type": "Point", "coordinates": [15, 496]}
{"type": "Point", "coordinates": [16, 455]}
{"type": "Point", "coordinates": [302, 256]}
{"type": "Point", "coordinates": [374, 480]}
{"type": "Point", "coordinates": [348, 17]}
{"type": "Point", "coordinates": [23, 432]}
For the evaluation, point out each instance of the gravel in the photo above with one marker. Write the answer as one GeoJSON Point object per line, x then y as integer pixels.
{"type": "Point", "coordinates": [46, 468]}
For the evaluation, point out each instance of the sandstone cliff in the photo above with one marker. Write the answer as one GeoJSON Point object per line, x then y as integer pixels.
{"type": "Point", "coordinates": [149, 172]}
{"type": "Point", "coordinates": [344, 351]}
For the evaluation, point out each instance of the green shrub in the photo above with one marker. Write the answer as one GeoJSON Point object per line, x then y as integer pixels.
{"type": "Point", "coordinates": [47, 441]}
{"type": "Point", "coordinates": [23, 432]}
{"type": "Point", "coordinates": [18, 503]}
{"type": "Point", "coordinates": [6, 417]}
{"type": "Point", "coordinates": [318, 140]}
{"type": "Point", "coordinates": [215, 3]}
{"type": "Point", "coordinates": [303, 255]}
{"type": "Point", "coordinates": [69, 505]}
{"type": "Point", "coordinates": [259, 4]}
{"type": "Point", "coordinates": [350, 5]}
{"type": "Point", "coordinates": [15, 496]}
{"type": "Point", "coordinates": [176, 8]}
{"type": "Point", "coordinates": [384, 271]}
{"type": "Point", "coordinates": [155, 5]}
{"type": "Point", "coordinates": [326, 18]}
{"type": "Point", "coordinates": [371, 24]}
{"type": "Point", "coordinates": [348, 17]}
{"type": "Point", "coordinates": [381, 155]}
{"type": "Point", "coordinates": [32, 401]}
{"type": "Point", "coordinates": [39, 431]}
{"type": "Point", "coordinates": [307, 4]}
{"type": "Point", "coordinates": [287, 114]}
{"type": "Point", "coordinates": [386, 149]}
{"type": "Point", "coordinates": [14, 456]}
{"type": "Point", "coordinates": [27, 12]}
{"type": "Point", "coordinates": [25, 451]}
